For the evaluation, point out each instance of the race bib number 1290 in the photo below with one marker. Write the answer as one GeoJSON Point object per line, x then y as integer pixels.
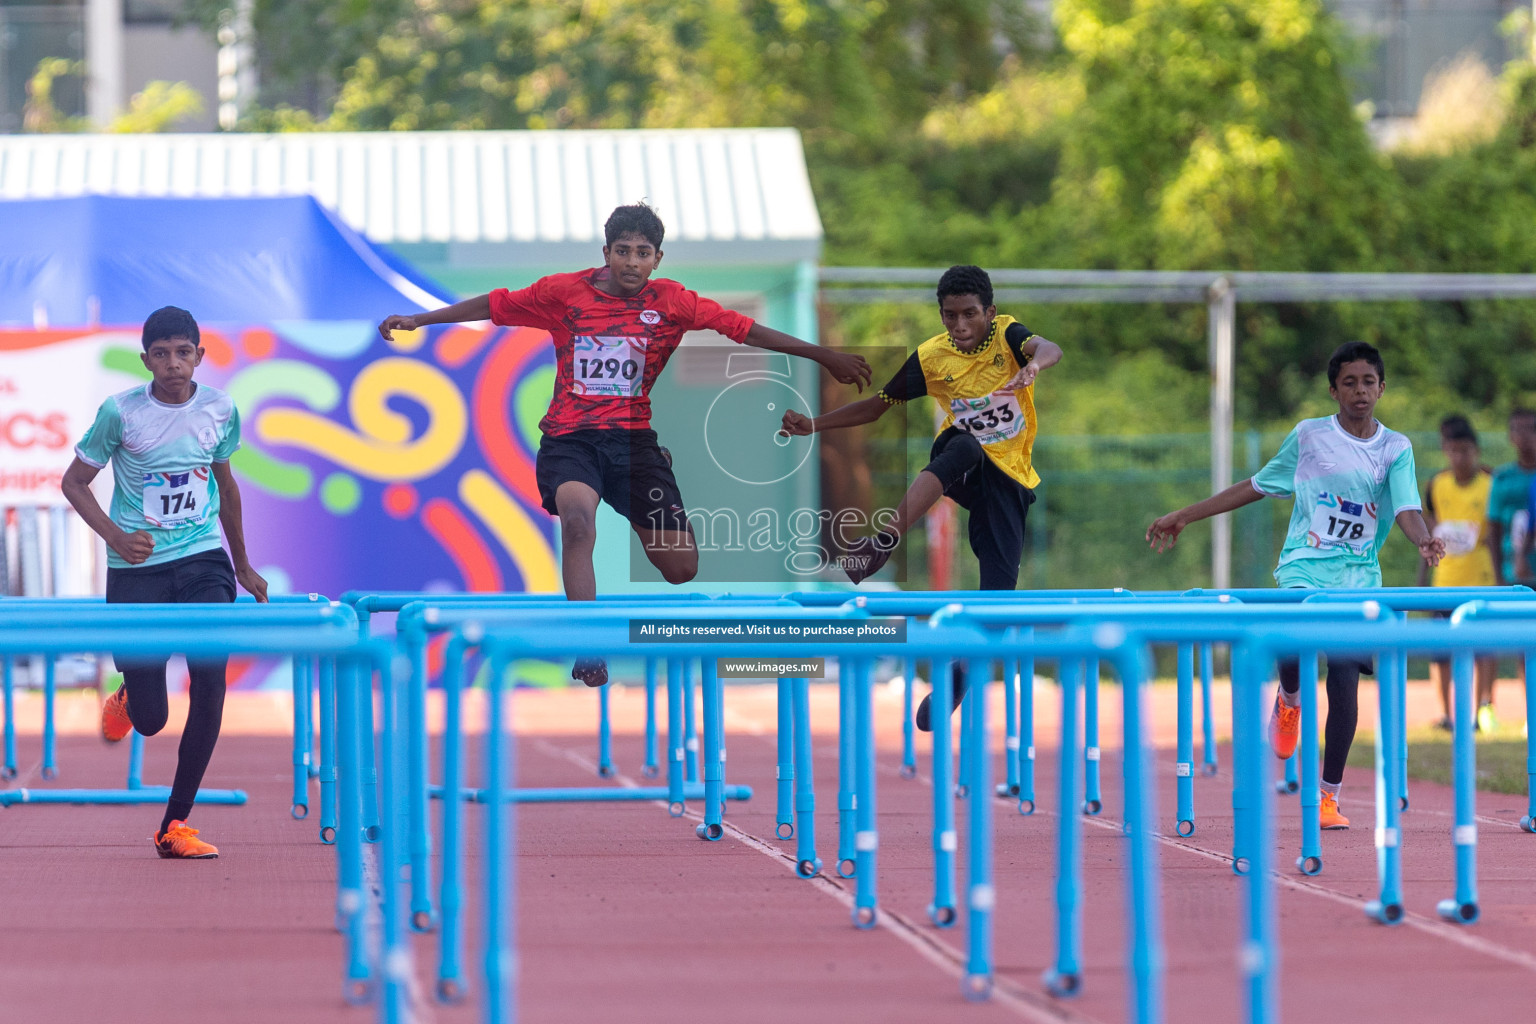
{"type": "Point", "coordinates": [608, 366]}
{"type": "Point", "coordinates": [175, 499]}
{"type": "Point", "coordinates": [1339, 522]}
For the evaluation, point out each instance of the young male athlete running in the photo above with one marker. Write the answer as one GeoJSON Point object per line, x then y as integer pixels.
{"type": "Point", "coordinates": [614, 329]}
{"type": "Point", "coordinates": [982, 370]}
{"type": "Point", "coordinates": [1456, 509]}
{"type": "Point", "coordinates": [1343, 471]}
{"type": "Point", "coordinates": [169, 442]}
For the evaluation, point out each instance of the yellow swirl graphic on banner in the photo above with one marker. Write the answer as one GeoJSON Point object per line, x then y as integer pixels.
{"type": "Point", "coordinates": [512, 528]}
{"type": "Point", "coordinates": [381, 448]}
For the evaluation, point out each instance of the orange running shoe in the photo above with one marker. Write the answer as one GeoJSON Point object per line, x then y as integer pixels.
{"type": "Point", "coordinates": [115, 723]}
{"type": "Point", "coordinates": [180, 840]}
{"type": "Point", "coordinates": [1328, 815]}
{"type": "Point", "coordinates": [1284, 724]}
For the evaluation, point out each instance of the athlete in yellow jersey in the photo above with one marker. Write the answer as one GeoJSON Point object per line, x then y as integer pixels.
{"type": "Point", "coordinates": [1456, 508]}
{"type": "Point", "coordinates": [982, 372]}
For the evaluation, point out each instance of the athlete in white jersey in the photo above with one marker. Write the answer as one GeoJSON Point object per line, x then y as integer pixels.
{"type": "Point", "coordinates": [1350, 478]}
{"type": "Point", "coordinates": [169, 442]}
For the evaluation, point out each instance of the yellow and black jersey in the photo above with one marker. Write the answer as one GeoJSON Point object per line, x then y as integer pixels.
{"type": "Point", "coordinates": [967, 385]}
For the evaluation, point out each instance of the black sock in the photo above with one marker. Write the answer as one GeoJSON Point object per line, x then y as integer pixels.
{"type": "Point", "coordinates": [175, 810]}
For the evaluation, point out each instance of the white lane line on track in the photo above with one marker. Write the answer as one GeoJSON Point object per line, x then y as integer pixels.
{"type": "Point", "coordinates": [1432, 926]}
{"type": "Point", "coordinates": [1453, 933]}
{"type": "Point", "coordinates": [418, 1008]}
{"type": "Point", "coordinates": [1028, 1005]}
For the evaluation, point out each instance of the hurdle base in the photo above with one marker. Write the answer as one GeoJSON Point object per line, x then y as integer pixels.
{"type": "Point", "coordinates": [595, 794]}
{"type": "Point", "coordinates": [142, 795]}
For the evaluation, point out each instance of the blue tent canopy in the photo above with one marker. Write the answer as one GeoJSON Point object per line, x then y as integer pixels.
{"type": "Point", "coordinates": [255, 260]}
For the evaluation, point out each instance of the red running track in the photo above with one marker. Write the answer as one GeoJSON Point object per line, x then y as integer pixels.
{"type": "Point", "coordinates": [625, 915]}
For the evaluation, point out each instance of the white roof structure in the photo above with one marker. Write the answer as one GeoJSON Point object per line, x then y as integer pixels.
{"type": "Point", "coordinates": [493, 197]}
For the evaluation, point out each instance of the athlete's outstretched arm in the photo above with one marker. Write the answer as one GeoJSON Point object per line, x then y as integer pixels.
{"type": "Point", "coordinates": [234, 531]}
{"type": "Point", "coordinates": [1431, 548]}
{"type": "Point", "coordinates": [865, 410]}
{"type": "Point", "coordinates": [845, 367]}
{"type": "Point", "coordinates": [1042, 355]}
{"type": "Point", "coordinates": [135, 547]}
{"type": "Point", "coordinates": [1164, 532]}
{"type": "Point", "coordinates": [477, 308]}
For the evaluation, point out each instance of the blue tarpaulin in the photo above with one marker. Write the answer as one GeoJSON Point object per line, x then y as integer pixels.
{"type": "Point", "coordinates": [254, 260]}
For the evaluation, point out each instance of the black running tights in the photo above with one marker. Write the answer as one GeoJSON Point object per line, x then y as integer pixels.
{"type": "Point", "coordinates": [1343, 710]}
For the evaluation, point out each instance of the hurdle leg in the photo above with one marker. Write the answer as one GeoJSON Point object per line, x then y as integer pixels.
{"type": "Point", "coordinates": [394, 949]}
{"type": "Point", "coordinates": [1207, 721]}
{"type": "Point", "coordinates": [416, 786]}
{"type": "Point", "coordinates": [1462, 907]}
{"type": "Point", "coordinates": [677, 755]}
{"type": "Point", "coordinates": [713, 826]}
{"type": "Point", "coordinates": [1528, 820]}
{"type": "Point", "coordinates": [1388, 907]}
{"type": "Point", "coordinates": [967, 747]}
{"type": "Point", "coordinates": [1289, 782]}
{"type": "Point", "coordinates": [690, 724]}
{"type": "Point", "coordinates": [1027, 729]}
{"type": "Point", "coordinates": [500, 1003]}
{"type": "Point", "coordinates": [866, 840]}
{"type": "Point", "coordinates": [1311, 860]}
{"type": "Point", "coordinates": [1402, 726]}
{"type": "Point", "coordinates": [604, 736]}
{"type": "Point", "coordinates": [1065, 978]}
{"type": "Point", "coordinates": [302, 736]}
{"type": "Point", "coordinates": [1259, 955]}
{"type": "Point", "coordinates": [807, 864]}
{"type": "Point", "coordinates": [1243, 806]}
{"type": "Point", "coordinates": [784, 771]}
{"type": "Point", "coordinates": [328, 818]}
{"type": "Point", "coordinates": [8, 769]}
{"type": "Point", "coordinates": [908, 746]}
{"type": "Point", "coordinates": [981, 896]}
{"type": "Point", "coordinates": [1144, 938]}
{"type": "Point", "coordinates": [847, 802]}
{"type": "Point", "coordinates": [942, 910]}
{"type": "Point", "coordinates": [651, 768]}
{"type": "Point", "coordinates": [50, 692]}
{"type": "Point", "coordinates": [1185, 757]}
{"type": "Point", "coordinates": [450, 900]}
{"type": "Point", "coordinates": [1010, 785]}
{"type": "Point", "coordinates": [369, 763]}
{"type": "Point", "coordinates": [357, 987]}
{"type": "Point", "coordinates": [1093, 800]}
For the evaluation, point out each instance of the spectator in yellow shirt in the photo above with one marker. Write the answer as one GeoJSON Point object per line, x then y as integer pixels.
{"type": "Point", "coordinates": [1456, 508]}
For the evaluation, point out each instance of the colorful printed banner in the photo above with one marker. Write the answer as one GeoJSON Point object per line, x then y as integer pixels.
{"type": "Point", "coordinates": [364, 464]}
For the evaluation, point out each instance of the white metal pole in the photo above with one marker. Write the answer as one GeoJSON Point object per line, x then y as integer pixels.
{"type": "Point", "coordinates": [103, 60]}
{"type": "Point", "coordinates": [1222, 306]}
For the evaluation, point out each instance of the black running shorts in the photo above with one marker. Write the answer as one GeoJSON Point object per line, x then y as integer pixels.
{"type": "Point", "coordinates": [625, 467]}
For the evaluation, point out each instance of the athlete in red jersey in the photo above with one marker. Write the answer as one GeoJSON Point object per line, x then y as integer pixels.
{"type": "Point", "coordinates": [614, 329]}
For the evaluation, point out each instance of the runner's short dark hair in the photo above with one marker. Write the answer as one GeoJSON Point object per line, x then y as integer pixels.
{"type": "Point", "coordinates": [170, 322]}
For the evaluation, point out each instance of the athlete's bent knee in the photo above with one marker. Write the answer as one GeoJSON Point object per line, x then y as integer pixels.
{"type": "Point", "coordinates": [680, 570]}
{"type": "Point", "coordinates": [578, 528]}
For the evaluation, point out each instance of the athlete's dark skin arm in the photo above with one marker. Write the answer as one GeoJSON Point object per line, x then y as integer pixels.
{"type": "Point", "coordinates": [865, 410]}
{"type": "Point", "coordinates": [477, 308]}
{"type": "Point", "coordinates": [234, 531]}
{"type": "Point", "coordinates": [135, 547]}
{"type": "Point", "coordinates": [845, 367]}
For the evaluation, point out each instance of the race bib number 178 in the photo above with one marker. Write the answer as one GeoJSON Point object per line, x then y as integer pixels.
{"type": "Point", "coordinates": [175, 499]}
{"type": "Point", "coordinates": [1339, 522]}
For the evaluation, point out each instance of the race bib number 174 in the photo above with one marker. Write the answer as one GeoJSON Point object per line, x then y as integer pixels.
{"type": "Point", "coordinates": [176, 499]}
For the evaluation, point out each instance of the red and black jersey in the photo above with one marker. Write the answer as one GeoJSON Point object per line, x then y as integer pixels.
{"type": "Point", "coordinates": [608, 349]}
